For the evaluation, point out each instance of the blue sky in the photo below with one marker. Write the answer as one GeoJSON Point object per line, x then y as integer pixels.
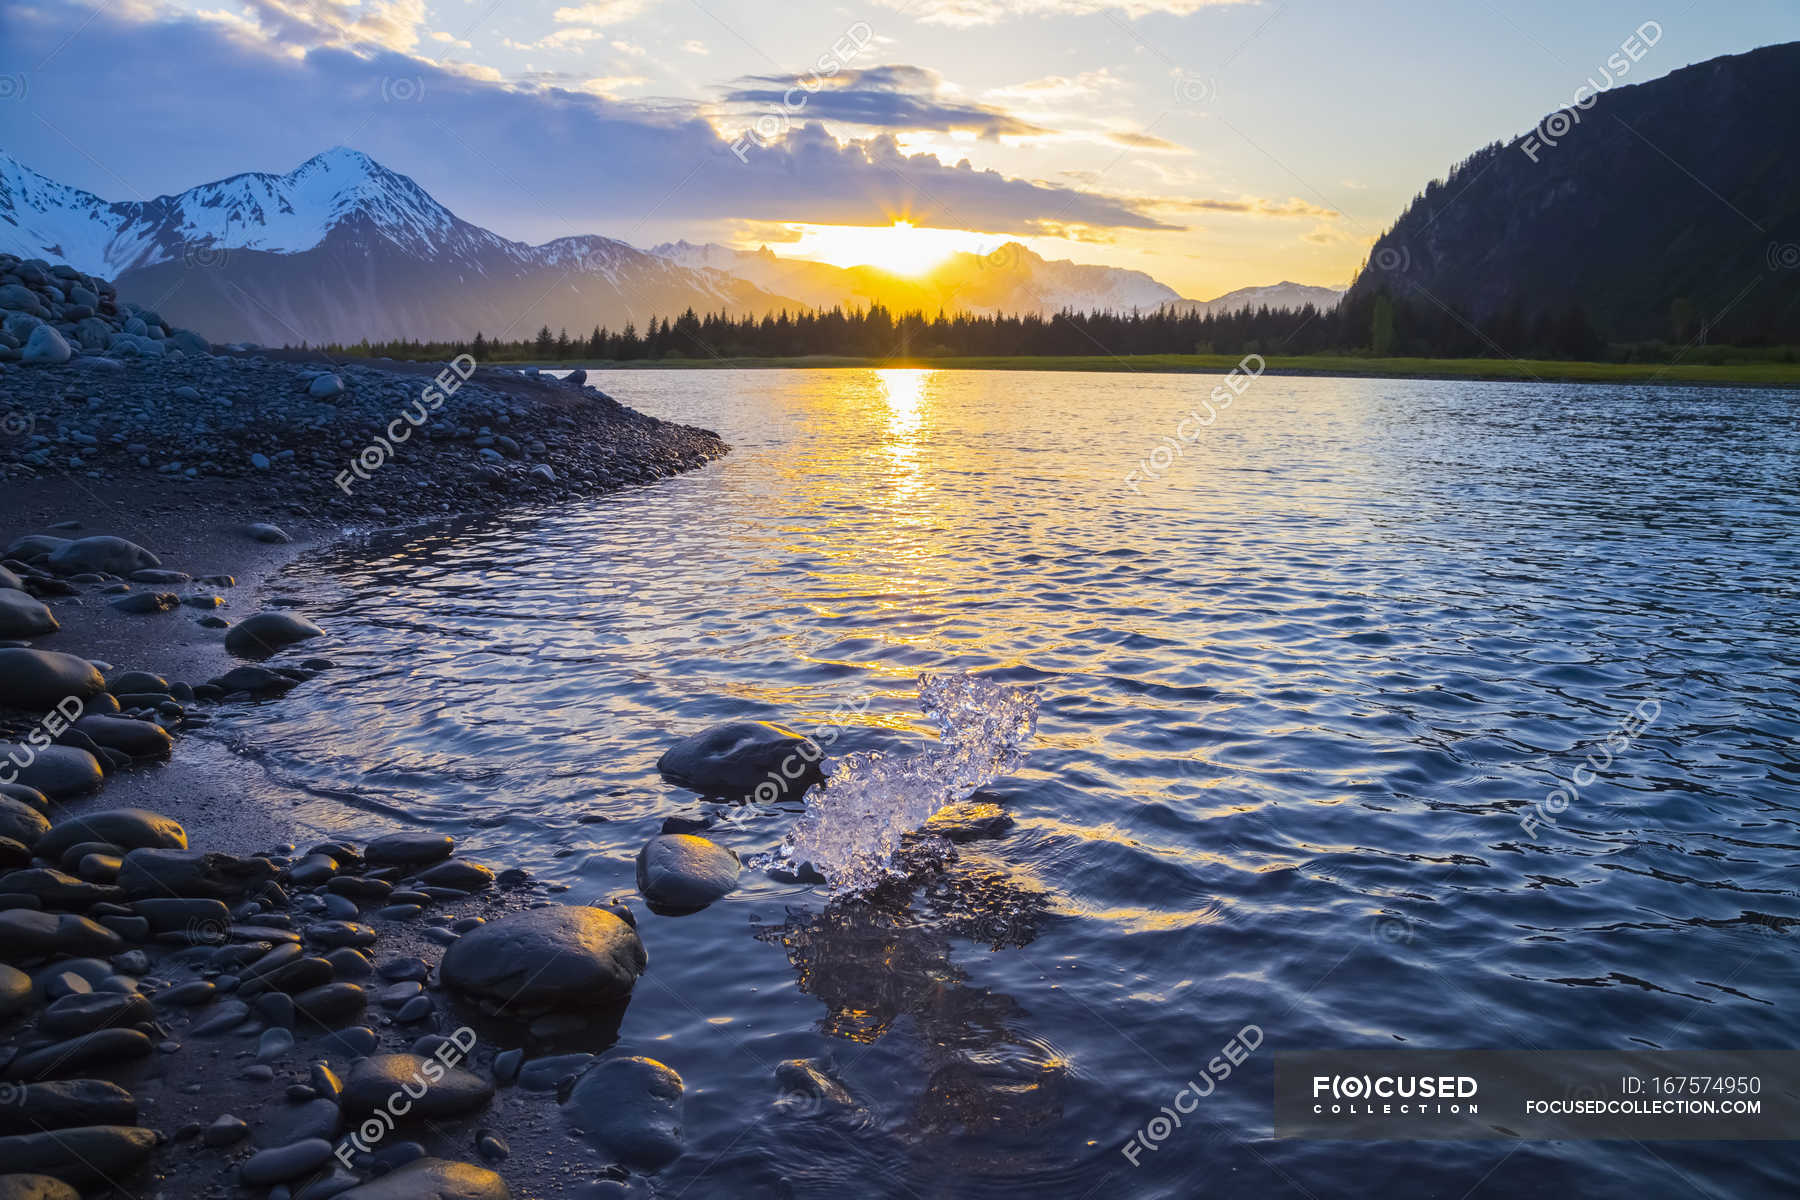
{"type": "Point", "coordinates": [1213, 144]}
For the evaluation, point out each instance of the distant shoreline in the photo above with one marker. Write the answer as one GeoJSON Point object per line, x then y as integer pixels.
{"type": "Point", "coordinates": [1771, 375]}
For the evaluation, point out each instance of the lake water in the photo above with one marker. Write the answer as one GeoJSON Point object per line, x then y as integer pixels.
{"type": "Point", "coordinates": [1309, 692]}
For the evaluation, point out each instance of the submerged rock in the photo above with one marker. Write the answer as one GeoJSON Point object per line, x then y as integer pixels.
{"type": "Point", "coordinates": [734, 760]}
{"type": "Point", "coordinates": [681, 871]}
{"type": "Point", "coordinates": [631, 1109]}
{"type": "Point", "coordinates": [563, 956]}
{"type": "Point", "coordinates": [408, 849]}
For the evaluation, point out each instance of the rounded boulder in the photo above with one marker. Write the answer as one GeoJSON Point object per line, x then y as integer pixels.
{"type": "Point", "coordinates": [681, 871]}
{"type": "Point", "coordinates": [738, 759]}
{"type": "Point", "coordinates": [542, 959]}
{"type": "Point", "coordinates": [267, 632]}
{"type": "Point", "coordinates": [37, 680]}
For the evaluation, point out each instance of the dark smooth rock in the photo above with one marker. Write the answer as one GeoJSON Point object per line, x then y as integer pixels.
{"type": "Point", "coordinates": [24, 616]}
{"type": "Point", "coordinates": [375, 1080]}
{"type": "Point", "coordinates": [15, 991]}
{"type": "Point", "coordinates": [66, 1104]}
{"type": "Point", "coordinates": [284, 1123]}
{"type": "Point", "coordinates": [408, 849]}
{"type": "Point", "coordinates": [96, 1010]}
{"type": "Point", "coordinates": [21, 823]}
{"type": "Point", "coordinates": [332, 1005]}
{"type": "Point", "coordinates": [335, 934]}
{"type": "Point", "coordinates": [88, 1154]}
{"type": "Point", "coordinates": [35, 1187]}
{"type": "Point", "coordinates": [258, 681]}
{"type": "Point", "coordinates": [140, 739]}
{"type": "Point", "coordinates": [25, 795]}
{"type": "Point", "coordinates": [631, 1109]}
{"type": "Point", "coordinates": [56, 771]}
{"type": "Point", "coordinates": [167, 913]}
{"type": "Point", "coordinates": [226, 1131]}
{"type": "Point", "coordinates": [25, 933]}
{"type": "Point", "coordinates": [112, 555]}
{"type": "Point", "coordinates": [191, 873]}
{"type": "Point", "coordinates": [128, 683]}
{"type": "Point", "coordinates": [127, 828]}
{"type": "Point", "coordinates": [546, 1074]}
{"type": "Point", "coordinates": [144, 603]}
{"type": "Point", "coordinates": [285, 1162]}
{"type": "Point", "coordinates": [681, 871]}
{"type": "Point", "coordinates": [266, 633]}
{"type": "Point", "coordinates": [433, 1179]}
{"type": "Point", "coordinates": [561, 956]}
{"type": "Point", "coordinates": [732, 760]}
{"type": "Point", "coordinates": [223, 1018]}
{"type": "Point", "coordinates": [58, 890]}
{"type": "Point", "coordinates": [458, 873]}
{"type": "Point", "coordinates": [105, 1046]}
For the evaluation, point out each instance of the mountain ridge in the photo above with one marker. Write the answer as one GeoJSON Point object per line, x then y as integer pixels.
{"type": "Point", "coordinates": [342, 248]}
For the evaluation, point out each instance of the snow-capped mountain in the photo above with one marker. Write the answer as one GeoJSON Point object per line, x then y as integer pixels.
{"type": "Point", "coordinates": [342, 248]}
{"type": "Point", "coordinates": [1010, 279]}
{"type": "Point", "coordinates": [1278, 295]}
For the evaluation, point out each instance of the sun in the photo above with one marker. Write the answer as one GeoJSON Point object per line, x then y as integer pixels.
{"type": "Point", "coordinates": [901, 248]}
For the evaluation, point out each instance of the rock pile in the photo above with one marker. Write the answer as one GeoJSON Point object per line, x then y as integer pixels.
{"type": "Point", "coordinates": [49, 313]}
{"type": "Point", "coordinates": [108, 390]}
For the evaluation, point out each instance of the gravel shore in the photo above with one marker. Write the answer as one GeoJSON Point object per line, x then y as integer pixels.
{"type": "Point", "coordinates": [212, 994]}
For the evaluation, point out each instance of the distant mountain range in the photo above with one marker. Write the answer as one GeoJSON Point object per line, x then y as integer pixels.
{"type": "Point", "coordinates": [341, 248]}
{"type": "Point", "coordinates": [1664, 210]}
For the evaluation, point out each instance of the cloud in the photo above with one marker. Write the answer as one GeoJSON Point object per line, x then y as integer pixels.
{"type": "Point", "coordinates": [1145, 141]}
{"type": "Point", "coordinates": [531, 159]}
{"type": "Point", "coordinates": [964, 14]}
{"type": "Point", "coordinates": [1253, 207]}
{"type": "Point", "coordinates": [896, 96]}
{"type": "Point", "coordinates": [393, 24]}
{"type": "Point", "coordinates": [696, 48]}
{"type": "Point", "coordinates": [602, 12]}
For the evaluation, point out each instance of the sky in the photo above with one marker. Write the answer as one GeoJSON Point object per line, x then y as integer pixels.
{"type": "Point", "coordinates": [1214, 144]}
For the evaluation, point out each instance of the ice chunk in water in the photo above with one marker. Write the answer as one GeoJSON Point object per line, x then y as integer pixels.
{"type": "Point", "coordinates": [853, 825]}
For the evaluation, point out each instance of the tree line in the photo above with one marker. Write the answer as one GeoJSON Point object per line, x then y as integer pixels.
{"type": "Point", "coordinates": [1367, 323]}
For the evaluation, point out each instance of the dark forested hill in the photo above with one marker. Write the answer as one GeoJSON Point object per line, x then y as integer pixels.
{"type": "Point", "coordinates": [1665, 211]}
